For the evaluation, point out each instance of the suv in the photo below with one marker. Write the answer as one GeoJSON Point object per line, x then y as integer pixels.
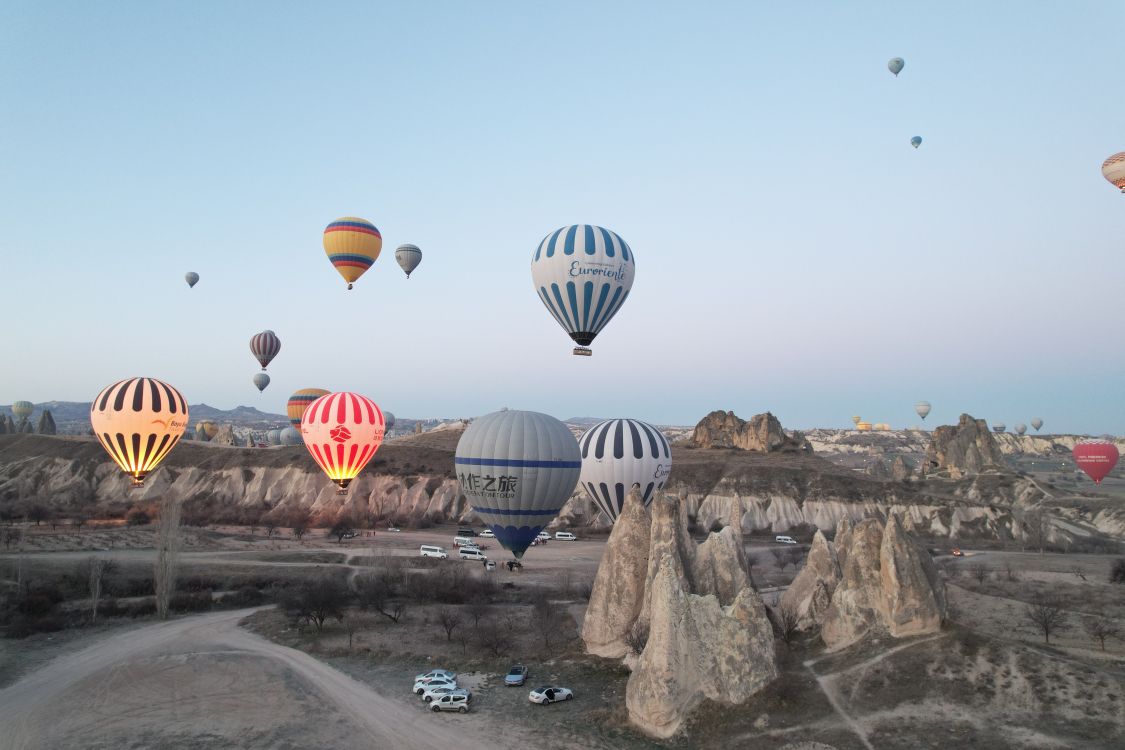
{"type": "Point", "coordinates": [516, 675]}
{"type": "Point", "coordinates": [452, 702]}
{"type": "Point", "coordinates": [466, 532]}
{"type": "Point", "coordinates": [565, 536]}
{"type": "Point", "coordinates": [432, 694]}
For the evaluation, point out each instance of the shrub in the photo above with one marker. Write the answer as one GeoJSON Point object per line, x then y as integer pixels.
{"type": "Point", "coordinates": [1117, 571]}
{"type": "Point", "coordinates": [22, 626]}
{"type": "Point", "coordinates": [183, 601]}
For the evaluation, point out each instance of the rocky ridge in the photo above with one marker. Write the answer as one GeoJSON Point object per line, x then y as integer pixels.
{"type": "Point", "coordinates": [763, 433]}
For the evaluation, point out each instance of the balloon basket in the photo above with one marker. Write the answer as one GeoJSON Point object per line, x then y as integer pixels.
{"type": "Point", "coordinates": [582, 351]}
{"type": "Point", "coordinates": [341, 492]}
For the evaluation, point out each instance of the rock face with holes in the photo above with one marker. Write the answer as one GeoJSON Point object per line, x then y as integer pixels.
{"type": "Point", "coordinates": [968, 448]}
{"type": "Point", "coordinates": [762, 433]}
{"type": "Point", "coordinates": [889, 584]}
{"type": "Point", "coordinates": [225, 435]}
{"type": "Point", "coordinates": [811, 592]}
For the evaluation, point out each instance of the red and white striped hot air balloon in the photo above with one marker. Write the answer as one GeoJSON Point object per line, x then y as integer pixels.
{"type": "Point", "coordinates": [265, 346]}
{"type": "Point", "coordinates": [1096, 457]}
{"type": "Point", "coordinates": [342, 432]}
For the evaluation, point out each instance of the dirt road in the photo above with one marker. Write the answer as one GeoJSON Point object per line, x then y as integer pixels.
{"type": "Point", "coordinates": [203, 682]}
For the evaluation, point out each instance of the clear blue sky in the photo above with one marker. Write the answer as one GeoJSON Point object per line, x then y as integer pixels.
{"type": "Point", "coordinates": [794, 253]}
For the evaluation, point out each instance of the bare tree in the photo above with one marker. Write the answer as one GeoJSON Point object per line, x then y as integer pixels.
{"type": "Point", "coordinates": [449, 619]}
{"type": "Point", "coordinates": [546, 619]}
{"type": "Point", "coordinates": [498, 641]}
{"type": "Point", "coordinates": [341, 528]}
{"type": "Point", "coordinates": [785, 621]}
{"type": "Point", "coordinates": [317, 600]}
{"type": "Point", "coordinates": [1048, 614]}
{"type": "Point", "coordinates": [354, 622]}
{"type": "Point", "coordinates": [979, 572]}
{"type": "Point", "coordinates": [80, 520]}
{"type": "Point", "coordinates": [464, 636]}
{"type": "Point", "coordinates": [11, 536]}
{"type": "Point", "coordinates": [1038, 528]}
{"type": "Point", "coordinates": [780, 557]}
{"type": "Point", "coordinates": [93, 570]}
{"type": "Point", "coordinates": [636, 638]}
{"type": "Point", "coordinates": [1100, 627]}
{"type": "Point", "coordinates": [753, 559]}
{"type": "Point", "coordinates": [300, 524]}
{"type": "Point", "coordinates": [565, 583]}
{"type": "Point", "coordinates": [1078, 572]}
{"type": "Point", "coordinates": [270, 526]}
{"type": "Point", "coordinates": [793, 556]}
{"type": "Point", "coordinates": [373, 592]}
{"type": "Point", "coordinates": [1013, 576]}
{"type": "Point", "coordinates": [477, 611]}
{"type": "Point", "coordinates": [169, 540]}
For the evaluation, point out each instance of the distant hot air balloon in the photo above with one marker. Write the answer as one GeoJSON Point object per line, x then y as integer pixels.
{"type": "Point", "coordinates": [1096, 457]}
{"type": "Point", "coordinates": [1037, 423]}
{"type": "Point", "coordinates": [192, 278]}
{"type": "Point", "coordinates": [342, 432]}
{"type": "Point", "coordinates": [1113, 169]}
{"type": "Point", "coordinates": [915, 428]}
{"type": "Point", "coordinates": [518, 469]}
{"type": "Point", "coordinates": [916, 141]}
{"type": "Point", "coordinates": [583, 274]}
{"type": "Point", "coordinates": [352, 245]}
{"type": "Point", "coordinates": [856, 420]}
{"type": "Point", "coordinates": [300, 401]}
{"type": "Point", "coordinates": [998, 427]}
{"type": "Point", "coordinates": [389, 419]}
{"type": "Point", "coordinates": [408, 257]}
{"type": "Point", "coordinates": [273, 437]}
{"type": "Point", "coordinates": [863, 426]}
{"type": "Point", "coordinates": [291, 436]}
{"type": "Point", "coordinates": [138, 421]}
{"type": "Point", "coordinates": [265, 346]}
{"type": "Point", "coordinates": [1021, 429]}
{"type": "Point", "coordinates": [22, 409]}
{"type": "Point", "coordinates": [923, 408]}
{"type": "Point", "coordinates": [618, 453]}
{"type": "Point", "coordinates": [205, 429]}
{"type": "Point", "coordinates": [261, 380]}
{"type": "Point", "coordinates": [895, 65]}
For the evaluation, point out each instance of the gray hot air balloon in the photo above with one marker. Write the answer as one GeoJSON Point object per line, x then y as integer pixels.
{"type": "Point", "coordinates": [291, 436]}
{"type": "Point", "coordinates": [916, 141]}
{"type": "Point", "coordinates": [923, 408]}
{"type": "Point", "coordinates": [896, 65]}
{"type": "Point", "coordinates": [618, 453]}
{"type": "Point", "coordinates": [1021, 429]}
{"type": "Point", "coordinates": [388, 420]}
{"type": "Point", "coordinates": [408, 257]}
{"type": "Point", "coordinates": [192, 278]}
{"type": "Point", "coordinates": [273, 437]}
{"type": "Point", "coordinates": [261, 380]}
{"type": "Point", "coordinates": [518, 469]}
{"type": "Point", "coordinates": [998, 427]}
{"type": "Point", "coordinates": [1037, 423]}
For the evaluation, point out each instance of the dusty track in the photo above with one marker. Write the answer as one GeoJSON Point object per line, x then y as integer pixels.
{"type": "Point", "coordinates": [203, 682]}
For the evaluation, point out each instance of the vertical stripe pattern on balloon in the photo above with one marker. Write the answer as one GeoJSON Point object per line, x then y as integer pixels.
{"type": "Point", "coordinates": [138, 421]}
{"type": "Point", "coordinates": [618, 453]}
{"type": "Point", "coordinates": [342, 432]}
{"type": "Point", "coordinates": [265, 346]}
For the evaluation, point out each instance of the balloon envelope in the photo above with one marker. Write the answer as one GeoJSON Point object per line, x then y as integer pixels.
{"type": "Point", "coordinates": [408, 257]}
{"type": "Point", "coordinates": [1020, 429]}
{"type": "Point", "coordinates": [352, 245]}
{"type": "Point", "coordinates": [1113, 169]}
{"type": "Point", "coordinates": [518, 469]}
{"type": "Point", "coordinates": [618, 453]}
{"type": "Point", "coordinates": [273, 437]}
{"type": "Point", "coordinates": [261, 380]}
{"type": "Point", "coordinates": [1037, 423]}
{"type": "Point", "coordinates": [923, 408]}
{"type": "Point", "coordinates": [300, 401]}
{"type": "Point", "coordinates": [205, 429]}
{"type": "Point", "coordinates": [291, 436]}
{"type": "Point", "coordinates": [896, 65]}
{"type": "Point", "coordinates": [22, 409]}
{"type": "Point", "coordinates": [583, 275]}
{"type": "Point", "coordinates": [138, 421]}
{"type": "Point", "coordinates": [1096, 457]}
{"type": "Point", "coordinates": [856, 420]}
{"type": "Point", "coordinates": [389, 419]}
{"type": "Point", "coordinates": [342, 432]}
{"type": "Point", "coordinates": [916, 141]}
{"type": "Point", "coordinates": [265, 346]}
{"type": "Point", "coordinates": [998, 427]}
{"type": "Point", "coordinates": [192, 278]}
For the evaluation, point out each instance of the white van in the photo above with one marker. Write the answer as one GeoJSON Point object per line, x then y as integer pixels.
{"type": "Point", "coordinates": [471, 553]}
{"type": "Point", "coordinates": [463, 541]}
{"type": "Point", "coordinates": [565, 536]}
{"type": "Point", "coordinates": [785, 539]}
{"type": "Point", "coordinates": [428, 550]}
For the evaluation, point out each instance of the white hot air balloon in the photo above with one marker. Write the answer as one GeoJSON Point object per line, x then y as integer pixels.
{"type": "Point", "coordinates": [408, 257]}
{"type": "Point", "coordinates": [998, 427]}
{"type": "Point", "coordinates": [896, 65]}
{"type": "Point", "coordinates": [518, 469]}
{"type": "Point", "coordinates": [1021, 429]}
{"type": "Point", "coordinates": [192, 278]}
{"type": "Point", "coordinates": [583, 274]}
{"type": "Point", "coordinates": [273, 437]}
{"type": "Point", "coordinates": [261, 380]}
{"type": "Point", "coordinates": [388, 419]}
{"type": "Point", "coordinates": [291, 436]}
{"type": "Point", "coordinates": [1037, 423]}
{"type": "Point", "coordinates": [923, 408]}
{"type": "Point", "coordinates": [618, 453]}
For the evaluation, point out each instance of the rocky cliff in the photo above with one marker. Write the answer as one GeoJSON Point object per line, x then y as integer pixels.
{"type": "Point", "coordinates": [967, 448]}
{"type": "Point", "coordinates": [763, 433]}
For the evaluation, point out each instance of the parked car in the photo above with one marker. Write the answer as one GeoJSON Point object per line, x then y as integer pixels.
{"type": "Point", "coordinates": [487, 534]}
{"type": "Point", "coordinates": [466, 532]}
{"type": "Point", "coordinates": [460, 540]}
{"type": "Point", "coordinates": [516, 675]}
{"type": "Point", "coordinates": [957, 553]}
{"type": "Point", "coordinates": [785, 539]}
{"type": "Point", "coordinates": [565, 536]}
{"type": "Point", "coordinates": [544, 536]}
{"type": "Point", "coordinates": [550, 694]}
{"type": "Point", "coordinates": [490, 565]}
{"type": "Point", "coordinates": [442, 674]}
{"type": "Point", "coordinates": [392, 528]}
{"type": "Point", "coordinates": [422, 686]}
{"type": "Point", "coordinates": [471, 553]}
{"type": "Point", "coordinates": [459, 703]}
{"type": "Point", "coordinates": [439, 690]}
{"type": "Point", "coordinates": [428, 550]}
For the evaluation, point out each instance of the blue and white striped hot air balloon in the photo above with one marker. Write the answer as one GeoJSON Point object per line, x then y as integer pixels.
{"type": "Point", "coordinates": [583, 274]}
{"type": "Point", "coordinates": [618, 453]}
{"type": "Point", "coordinates": [518, 469]}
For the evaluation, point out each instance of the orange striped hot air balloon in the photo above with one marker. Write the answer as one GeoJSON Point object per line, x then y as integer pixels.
{"type": "Point", "coordinates": [138, 421]}
{"type": "Point", "coordinates": [352, 245]}
{"type": "Point", "coordinates": [342, 432]}
{"type": "Point", "coordinates": [300, 401]}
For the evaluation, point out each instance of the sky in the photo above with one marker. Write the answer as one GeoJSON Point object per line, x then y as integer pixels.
{"type": "Point", "coordinates": [794, 252]}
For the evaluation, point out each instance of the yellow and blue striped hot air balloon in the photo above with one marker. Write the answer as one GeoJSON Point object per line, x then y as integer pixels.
{"type": "Point", "coordinates": [353, 245]}
{"type": "Point", "coordinates": [300, 401]}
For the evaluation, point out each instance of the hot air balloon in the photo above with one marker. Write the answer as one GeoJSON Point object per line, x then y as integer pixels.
{"type": "Point", "coordinates": [138, 421]}
{"type": "Point", "coordinates": [352, 246]}
{"type": "Point", "coordinates": [261, 380]}
{"type": "Point", "coordinates": [583, 275]}
{"type": "Point", "coordinates": [205, 429]}
{"type": "Point", "coordinates": [998, 427]}
{"type": "Point", "coordinates": [1020, 428]}
{"type": "Point", "coordinates": [192, 278]}
{"type": "Point", "coordinates": [291, 436]}
{"type": "Point", "coordinates": [856, 420]}
{"type": "Point", "coordinates": [342, 432]}
{"type": "Point", "coordinates": [916, 141]}
{"type": "Point", "coordinates": [1096, 457]}
{"type": "Point", "coordinates": [923, 408]}
{"type": "Point", "coordinates": [22, 409]}
{"type": "Point", "coordinates": [300, 401]}
{"type": "Point", "coordinates": [265, 346]}
{"type": "Point", "coordinates": [408, 257]}
{"type": "Point", "coordinates": [895, 65]}
{"type": "Point", "coordinates": [863, 426]}
{"type": "Point", "coordinates": [518, 469]}
{"type": "Point", "coordinates": [389, 419]}
{"type": "Point", "coordinates": [1037, 423]}
{"type": "Point", "coordinates": [618, 453]}
{"type": "Point", "coordinates": [273, 437]}
{"type": "Point", "coordinates": [1113, 169]}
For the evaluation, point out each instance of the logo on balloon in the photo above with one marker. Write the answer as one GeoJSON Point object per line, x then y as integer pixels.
{"type": "Point", "coordinates": [340, 434]}
{"type": "Point", "coordinates": [577, 268]}
{"type": "Point", "coordinates": [661, 471]}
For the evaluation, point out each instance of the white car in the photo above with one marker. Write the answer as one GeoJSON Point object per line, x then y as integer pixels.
{"type": "Point", "coordinates": [785, 539]}
{"type": "Point", "coordinates": [550, 694]}
{"type": "Point", "coordinates": [544, 536]}
{"type": "Point", "coordinates": [487, 534]}
{"type": "Point", "coordinates": [458, 703]}
{"type": "Point", "coordinates": [438, 691]}
{"type": "Point", "coordinates": [392, 528]}
{"type": "Point", "coordinates": [441, 674]}
{"type": "Point", "coordinates": [565, 536]}
{"type": "Point", "coordinates": [422, 686]}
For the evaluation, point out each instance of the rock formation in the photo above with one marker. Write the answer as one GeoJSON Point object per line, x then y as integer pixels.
{"type": "Point", "coordinates": [709, 636]}
{"type": "Point", "coordinates": [225, 436]}
{"type": "Point", "coordinates": [3, 425]}
{"type": "Point", "coordinates": [968, 448]}
{"type": "Point", "coordinates": [900, 472]}
{"type": "Point", "coordinates": [810, 594]}
{"type": "Point", "coordinates": [417, 428]}
{"type": "Point", "coordinates": [12, 426]}
{"type": "Point", "coordinates": [24, 427]}
{"type": "Point", "coordinates": [843, 540]}
{"type": "Point", "coordinates": [878, 469]}
{"type": "Point", "coordinates": [889, 584]}
{"type": "Point", "coordinates": [46, 424]}
{"type": "Point", "coordinates": [762, 433]}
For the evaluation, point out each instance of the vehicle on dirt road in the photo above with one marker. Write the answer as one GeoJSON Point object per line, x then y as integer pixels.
{"type": "Point", "coordinates": [565, 536]}
{"type": "Point", "coordinates": [544, 536]}
{"type": "Point", "coordinates": [487, 534]}
{"type": "Point", "coordinates": [428, 550]}
{"type": "Point", "coordinates": [471, 553]}
{"type": "Point", "coordinates": [459, 703]}
{"type": "Point", "coordinates": [516, 675]}
{"type": "Point", "coordinates": [550, 694]}
{"type": "Point", "coordinates": [957, 553]}
{"type": "Point", "coordinates": [785, 540]}
{"type": "Point", "coordinates": [466, 532]}
{"type": "Point", "coordinates": [436, 692]}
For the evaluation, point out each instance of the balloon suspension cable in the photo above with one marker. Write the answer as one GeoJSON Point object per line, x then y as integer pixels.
{"type": "Point", "coordinates": [582, 351]}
